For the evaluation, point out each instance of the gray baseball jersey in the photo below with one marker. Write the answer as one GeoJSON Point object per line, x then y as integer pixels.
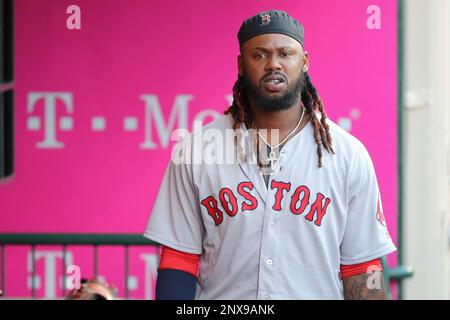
{"type": "Point", "coordinates": [285, 240]}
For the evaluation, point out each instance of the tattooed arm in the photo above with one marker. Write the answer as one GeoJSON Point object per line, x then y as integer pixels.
{"type": "Point", "coordinates": [362, 287]}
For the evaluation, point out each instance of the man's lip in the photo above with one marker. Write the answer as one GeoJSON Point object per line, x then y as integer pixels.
{"type": "Point", "coordinates": [274, 87]}
{"type": "Point", "coordinates": [273, 77]}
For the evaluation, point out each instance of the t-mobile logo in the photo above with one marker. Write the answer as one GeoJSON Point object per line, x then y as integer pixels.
{"type": "Point", "coordinates": [50, 117]}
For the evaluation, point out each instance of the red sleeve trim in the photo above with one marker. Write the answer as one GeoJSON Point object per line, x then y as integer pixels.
{"type": "Point", "coordinates": [178, 260]}
{"type": "Point", "coordinates": [360, 268]}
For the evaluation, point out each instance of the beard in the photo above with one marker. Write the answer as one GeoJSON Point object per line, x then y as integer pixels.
{"type": "Point", "coordinates": [263, 102]}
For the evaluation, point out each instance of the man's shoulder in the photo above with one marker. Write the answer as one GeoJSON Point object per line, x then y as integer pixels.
{"type": "Point", "coordinates": [192, 145]}
{"type": "Point", "coordinates": [348, 148]}
{"type": "Point", "coordinates": [199, 130]}
{"type": "Point", "coordinates": [343, 139]}
{"type": "Point", "coordinates": [222, 122]}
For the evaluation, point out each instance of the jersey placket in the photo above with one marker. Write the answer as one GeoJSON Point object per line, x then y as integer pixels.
{"type": "Point", "coordinates": [269, 268]}
{"type": "Point", "coordinates": [269, 243]}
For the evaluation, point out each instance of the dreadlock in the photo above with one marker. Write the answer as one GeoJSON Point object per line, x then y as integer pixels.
{"type": "Point", "coordinates": [241, 113]}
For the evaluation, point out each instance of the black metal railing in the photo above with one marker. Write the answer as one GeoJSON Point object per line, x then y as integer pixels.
{"type": "Point", "coordinates": [94, 240]}
{"type": "Point", "coordinates": [396, 274]}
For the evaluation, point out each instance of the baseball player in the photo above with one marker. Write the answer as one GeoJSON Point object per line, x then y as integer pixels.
{"type": "Point", "coordinates": [296, 214]}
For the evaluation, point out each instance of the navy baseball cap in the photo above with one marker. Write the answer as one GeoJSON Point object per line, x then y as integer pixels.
{"type": "Point", "coordinates": [272, 21]}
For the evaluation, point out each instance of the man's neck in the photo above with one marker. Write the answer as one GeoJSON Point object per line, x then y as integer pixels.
{"type": "Point", "coordinates": [284, 120]}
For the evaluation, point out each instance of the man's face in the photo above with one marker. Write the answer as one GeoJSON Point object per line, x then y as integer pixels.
{"type": "Point", "coordinates": [271, 66]}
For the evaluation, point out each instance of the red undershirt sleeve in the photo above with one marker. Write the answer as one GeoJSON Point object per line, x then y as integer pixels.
{"type": "Point", "coordinates": [360, 268]}
{"type": "Point", "coordinates": [178, 260]}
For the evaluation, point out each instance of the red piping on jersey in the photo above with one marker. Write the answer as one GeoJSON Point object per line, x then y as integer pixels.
{"type": "Point", "coordinates": [178, 260]}
{"type": "Point", "coordinates": [360, 268]}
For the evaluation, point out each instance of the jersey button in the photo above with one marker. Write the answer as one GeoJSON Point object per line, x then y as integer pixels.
{"type": "Point", "coordinates": [266, 297]}
{"type": "Point", "coordinates": [273, 223]}
{"type": "Point", "coordinates": [269, 262]}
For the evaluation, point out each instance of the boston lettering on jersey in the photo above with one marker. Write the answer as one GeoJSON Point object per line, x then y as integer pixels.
{"type": "Point", "coordinates": [299, 200]}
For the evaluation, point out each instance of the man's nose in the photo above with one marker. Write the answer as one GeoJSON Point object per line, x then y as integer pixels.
{"type": "Point", "coordinates": [272, 64]}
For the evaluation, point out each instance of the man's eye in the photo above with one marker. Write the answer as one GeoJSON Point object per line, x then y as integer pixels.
{"type": "Point", "coordinates": [260, 56]}
{"type": "Point", "coordinates": [285, 54]}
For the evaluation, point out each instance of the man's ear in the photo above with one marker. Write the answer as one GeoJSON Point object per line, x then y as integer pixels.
{"type": "Point", "coordinates": [306, 61]}
{"type": "Point", "coordinates": [240, 65]}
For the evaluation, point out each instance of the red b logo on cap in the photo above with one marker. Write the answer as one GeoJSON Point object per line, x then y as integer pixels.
{"type": "Point", "coordinates": [265, 19]}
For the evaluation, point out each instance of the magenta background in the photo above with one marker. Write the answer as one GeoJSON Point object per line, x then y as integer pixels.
{"type": "Point", "coordinates": [102, 181]}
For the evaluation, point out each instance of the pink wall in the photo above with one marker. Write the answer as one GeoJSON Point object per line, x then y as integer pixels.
{"type": "Point", "coordinates": [104, 181]}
